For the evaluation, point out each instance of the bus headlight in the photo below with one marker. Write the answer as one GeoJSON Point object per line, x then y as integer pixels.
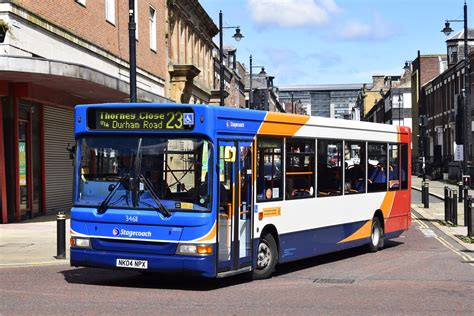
{"type": "Point", "coordinates": [193, 249]}
{"type": "Point", "coordinates": [80, 242]}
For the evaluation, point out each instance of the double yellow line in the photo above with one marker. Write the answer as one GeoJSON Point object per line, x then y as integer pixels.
{"type": "Point", "coordinates": [465, 257]}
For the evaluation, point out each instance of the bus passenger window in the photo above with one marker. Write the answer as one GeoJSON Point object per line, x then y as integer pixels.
{"type": "Point", "coordinates": [299, 168]}
{"type": "Point", "coordinates": [354, 164]}
{"type": "Point", "coordinates": [394, 168]}
{"type": "Point", "coordinates": [404, 166]}
{"type": "Point", "coordinates": [269, 169]}
{"type": "Point", "coordinates": [377, 167]}
{"type": "Point", "coordinates": [329, 167]}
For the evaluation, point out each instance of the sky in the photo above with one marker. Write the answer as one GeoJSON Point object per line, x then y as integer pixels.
{"type": "Point", "coordinates": [335, 41]}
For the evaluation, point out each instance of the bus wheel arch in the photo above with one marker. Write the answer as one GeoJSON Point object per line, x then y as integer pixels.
{"type": "Point", "coordinates": [267, 253]}
{"type": "Point", "coordinates": [377, 232]}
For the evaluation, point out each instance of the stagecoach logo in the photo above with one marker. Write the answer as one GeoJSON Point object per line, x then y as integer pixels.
{"type": "Point", "coordinates": [130, 233]}
{"type": "Point", "coordinates": [230, 124]}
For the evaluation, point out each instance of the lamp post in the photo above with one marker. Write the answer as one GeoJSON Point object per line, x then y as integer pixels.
{"type": "Point", "coordinates": [466, 91]}
{"type": "Point", "coordinates": [401, 118]}
{"type": "Point", "coordinates": [132, 51]}
{"type": "Point", "coordinates": [237, 36]}
{"type": "Point", "coordinates": [251, 81]}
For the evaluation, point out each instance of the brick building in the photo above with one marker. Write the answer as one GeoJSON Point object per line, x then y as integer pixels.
{"type": "Point", "coordinates": [424, 69]}
{"type": "Point", "coordinates": [52, 59]}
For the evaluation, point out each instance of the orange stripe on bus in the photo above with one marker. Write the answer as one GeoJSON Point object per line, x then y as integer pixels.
{"type": "Point", "coordinates": [282, 124]}
{"type": "Point", "coordinates": [365, 230]}
{"type": "Point", "coordinates": [362, 232]}
{"type": "Point", "coordinates": [210, 235]}
{"type": "Point", "coordinates": [387, 203]}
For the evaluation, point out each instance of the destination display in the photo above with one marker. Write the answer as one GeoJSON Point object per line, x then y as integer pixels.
{"type": "Point", "coordinates": [140, 119]}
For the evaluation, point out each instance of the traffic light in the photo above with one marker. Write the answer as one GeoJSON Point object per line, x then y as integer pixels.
{"type": "Point", "coordinates": [459, 124]}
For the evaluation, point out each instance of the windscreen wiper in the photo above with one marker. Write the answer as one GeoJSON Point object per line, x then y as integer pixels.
{"type": "Point", "coordinates": [105, 203]}
{"type": "Point", "coordinates": [161, 207]}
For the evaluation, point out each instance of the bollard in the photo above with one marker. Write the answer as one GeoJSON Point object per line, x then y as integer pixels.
{"type": "Point", "coordinates": [460, 189]}
{"type": "Point", "coordinates": [61, 235]}
{"type": "Point", "coordinates": [466, 207]}
{"type": "Point", "coordinates": [446, 204]}
{"type": "Point", "coordinates": [470, 222]}
{"type": "Point", "coordinates": [426, 188]}
{"type": "Point", "coordinates": [450, 206]}
{"type": "Point", "coordinates": [455, 208]}
{"type": "Point", "coordinates": [423, 193]}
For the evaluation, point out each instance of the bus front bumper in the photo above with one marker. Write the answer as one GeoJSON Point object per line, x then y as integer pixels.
{"type": "Point", "coordinates": [192, 265]}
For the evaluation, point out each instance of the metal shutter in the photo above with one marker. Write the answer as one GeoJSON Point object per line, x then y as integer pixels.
{"type": "Point", "coordinates": [58, 132]}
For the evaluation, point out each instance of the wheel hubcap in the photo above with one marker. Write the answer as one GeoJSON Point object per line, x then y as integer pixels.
{"type": "Point", "coordinates": [264, 255]}
{"type": "Point", "coordinates": [375, 236]}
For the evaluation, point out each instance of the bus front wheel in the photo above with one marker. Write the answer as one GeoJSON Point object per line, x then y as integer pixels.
{"type": "Point", "coordinates": [376, 236]}
{"type": "Point", "coordinates": [266, 257]}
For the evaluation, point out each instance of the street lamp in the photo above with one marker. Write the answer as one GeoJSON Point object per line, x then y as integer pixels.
{"type": "Point", "coordinates": [466, 91]}
{"type": "Point", "coordinates": [262, 72]}
{"type": "Point", "coordinates": [237, 36]}
{"type": "Point", "coordinates": [132, 51]}
{"type": "Point", "coordinates": [400, 117]}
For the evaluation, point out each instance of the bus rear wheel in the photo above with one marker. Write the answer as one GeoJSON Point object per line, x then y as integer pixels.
{"type": "Point", "coordinates": [376, 241]}
{"type": "Point", "coordinates": [266, 258]}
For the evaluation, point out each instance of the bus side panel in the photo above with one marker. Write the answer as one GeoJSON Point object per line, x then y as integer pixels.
{"type": "Point", "coordinates": [399, 216]}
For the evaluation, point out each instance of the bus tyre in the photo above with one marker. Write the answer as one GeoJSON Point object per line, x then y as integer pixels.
{"type": "Point", "coordinates": [267, 255]}
{"type": "Point", "coordinates": [376, 236]}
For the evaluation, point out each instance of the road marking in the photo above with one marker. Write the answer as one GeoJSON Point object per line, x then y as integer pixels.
{"type": "Point", "coordinates": [425, 229]}
{"type": "Point", "coordinates": [466, 257]}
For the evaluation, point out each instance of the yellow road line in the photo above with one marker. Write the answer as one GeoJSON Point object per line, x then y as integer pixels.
{"type": "Point", "coordinates": [418, 221]}
{"type": "Point", "coordinates": [466, 257]}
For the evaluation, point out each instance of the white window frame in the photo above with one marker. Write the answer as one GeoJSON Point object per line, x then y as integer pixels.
{"type": "Point", "coordinates": [110, 11]}
{"type": "Point", "coordinates": [152, 27]}
{"type": "Point", "coordinates": [81, 2]}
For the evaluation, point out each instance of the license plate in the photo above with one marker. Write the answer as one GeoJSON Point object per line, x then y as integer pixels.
{"type": "Point", "coordinates": [132, 263]}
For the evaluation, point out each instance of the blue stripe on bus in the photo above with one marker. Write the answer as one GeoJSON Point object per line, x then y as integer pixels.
{"type": "Point", "coordinates": [313, 242]}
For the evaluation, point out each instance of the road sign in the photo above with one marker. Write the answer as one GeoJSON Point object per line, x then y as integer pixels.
{"type": "Point", "coordinates": [458, 152]}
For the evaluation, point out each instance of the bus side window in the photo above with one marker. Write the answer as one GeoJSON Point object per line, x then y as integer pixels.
{"type": "Point", "coordinates": [394, 167]}
{"type": "Point", "coordinates": [329, 167]}
{"type": "Point", "coordinates": [269, 169]}
{"type": "Point", "coordinates": [404, 166]}
{"type": "Point", "coordinates": [299, 168]}
{"type": "Point", "coordinates": [377, 167]}
{"type": "Point", "coordinates": [354, 163]}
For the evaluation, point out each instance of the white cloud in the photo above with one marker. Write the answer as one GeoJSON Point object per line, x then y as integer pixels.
{"type": "Point", "coordinates": [291, 13]}
{"type": "Point", "coordinates": [375, 30]}
{"type": "Point", "coordinates": [329, 5]}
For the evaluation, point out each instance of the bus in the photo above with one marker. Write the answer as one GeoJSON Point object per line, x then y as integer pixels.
{"type": "Point", "coordinates": [215, 191]}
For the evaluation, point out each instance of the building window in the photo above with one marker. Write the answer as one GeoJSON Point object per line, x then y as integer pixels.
{"type": "Point", "coordinates": [269, 169]}
{"type": "Point", "coordinates": [152, 29]}
{"type": "Point", "coordinates": [299, 168]}
{"type": "Point", "coordinates": [81, 2]}
{"type": "Point", "coordinates": [110, 11]}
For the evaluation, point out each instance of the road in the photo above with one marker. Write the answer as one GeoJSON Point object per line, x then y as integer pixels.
{"type": "Point", "coordinates": [418, 273]}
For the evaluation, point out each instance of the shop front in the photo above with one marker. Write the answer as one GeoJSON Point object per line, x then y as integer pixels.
{"type": "Point", "coordinates": [36, 128]}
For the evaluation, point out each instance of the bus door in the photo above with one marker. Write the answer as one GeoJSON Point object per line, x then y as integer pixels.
{"type": "Point", "coordinates": [234, 241]}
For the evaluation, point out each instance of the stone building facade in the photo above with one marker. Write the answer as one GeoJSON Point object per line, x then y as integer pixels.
{"type": "Point", "coordinates": [190, 64]}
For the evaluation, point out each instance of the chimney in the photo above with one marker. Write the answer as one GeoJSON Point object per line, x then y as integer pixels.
{"type": "Point", "coordinates": [378, 82]}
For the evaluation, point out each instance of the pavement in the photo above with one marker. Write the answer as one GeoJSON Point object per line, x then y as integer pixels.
{"type": "Point", "coordinates": [435, 212]}
{"type": "Point", "coordinates": [33, 242]}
